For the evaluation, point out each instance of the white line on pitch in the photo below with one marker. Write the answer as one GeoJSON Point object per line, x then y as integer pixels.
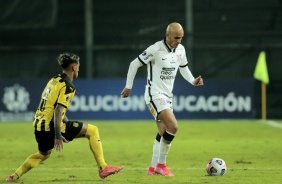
{"type": "Point", "coordinates": [274, 124]}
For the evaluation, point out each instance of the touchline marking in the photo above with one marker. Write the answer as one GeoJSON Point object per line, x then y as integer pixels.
{"type": "Point", "coordinates": [274, 124]}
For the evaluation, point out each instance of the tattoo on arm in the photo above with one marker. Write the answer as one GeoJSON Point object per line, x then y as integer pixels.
{"type": "Point", "coordinates": [57, 121]}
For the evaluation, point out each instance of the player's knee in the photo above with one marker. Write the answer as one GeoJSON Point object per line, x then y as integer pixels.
{"type": "Point", "coordinates": [37, 158]}
{"type": "Point", "coordinates": [45, 155]}
{"type": "Point", "coordinates": [91, 130]}
{"type": "Point", "coordinates": [173, 128]}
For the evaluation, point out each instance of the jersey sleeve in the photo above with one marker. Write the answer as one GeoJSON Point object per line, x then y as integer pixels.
{"type": "Point", "coordinates": [184, 58]}
{"type": "Point", "coordinates": [186, 73]}
{"type": "Point", "coordinates": [147, 55]}
{"type": "Point", "coordinates": [141, 60]}
{"type": "Point", "coordinates": [64, 96]}
{"type": "Point", "coordinates": [184, 69]}
{"type": "Point", "coordinates": [133, 67]}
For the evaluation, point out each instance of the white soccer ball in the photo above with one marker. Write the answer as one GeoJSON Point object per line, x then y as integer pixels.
{"type": "Point", "coordinates": [216, 167]}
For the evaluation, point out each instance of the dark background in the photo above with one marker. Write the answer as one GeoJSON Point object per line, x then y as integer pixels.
{"type": "Point", "coordinates": [227, 38]}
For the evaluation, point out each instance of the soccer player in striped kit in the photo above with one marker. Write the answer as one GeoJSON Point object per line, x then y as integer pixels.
{"type": "Point", "coordinates": [52, 127]}
{"type": "Point", "coordinates": [163, 59]}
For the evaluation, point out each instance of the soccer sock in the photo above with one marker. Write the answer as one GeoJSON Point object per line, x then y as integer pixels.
{"type": "Point", "coordinates": [92, 134]}
{"type": "Point", "coordinates": [156, 151]}
{"type": "Point", "coordinates": [165, 145]}
{"type": "Point", "coordinates": [31, 162]}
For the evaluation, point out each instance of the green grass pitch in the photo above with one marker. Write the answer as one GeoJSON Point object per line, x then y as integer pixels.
{"type": "Point", "coordinates": [252, 150]}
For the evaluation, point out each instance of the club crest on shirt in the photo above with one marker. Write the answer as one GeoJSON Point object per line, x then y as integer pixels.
{"type": "Point", "coordinates": [178, 58]}
{"type": "Point", "coordinates": [67, 98]}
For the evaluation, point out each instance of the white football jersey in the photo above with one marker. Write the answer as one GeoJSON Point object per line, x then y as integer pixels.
{"type": "Point", "coordinates": [162, 63]}
{"type": "Point", "coordinates": [162, 66]}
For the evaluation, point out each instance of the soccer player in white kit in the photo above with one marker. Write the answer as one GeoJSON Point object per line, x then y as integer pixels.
{"type": "Point", "coordinates": [163, 59]}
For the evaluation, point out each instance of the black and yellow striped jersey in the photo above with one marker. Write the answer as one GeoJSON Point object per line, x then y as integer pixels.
{"type": "Point", "coordinates": [59, 90]}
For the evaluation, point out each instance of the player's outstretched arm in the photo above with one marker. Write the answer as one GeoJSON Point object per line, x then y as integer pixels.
{"type": "Point", "coordinates": [133, 67]}
{"type": "Point", "coordinates": [198, 81]}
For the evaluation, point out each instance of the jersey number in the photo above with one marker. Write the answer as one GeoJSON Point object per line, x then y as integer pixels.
{"type": "Point", "coordinates": [44, 99]}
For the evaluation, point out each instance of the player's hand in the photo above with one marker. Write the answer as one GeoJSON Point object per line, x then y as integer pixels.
{"type": "Point", "coordinates": [58, 146]}
{"type": "Point", "coordinates": [198, 81]}
{"type": "Point", "coordinates": [125, 93]}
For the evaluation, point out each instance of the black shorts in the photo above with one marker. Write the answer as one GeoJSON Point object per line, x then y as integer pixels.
{"type": "Point", "coordinates": [46, 140]}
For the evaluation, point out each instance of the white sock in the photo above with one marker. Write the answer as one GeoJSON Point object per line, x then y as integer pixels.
{"type": "Point", "coordinates": [164, 149]}
{"type": "Point", "coordinates": [156, 153]}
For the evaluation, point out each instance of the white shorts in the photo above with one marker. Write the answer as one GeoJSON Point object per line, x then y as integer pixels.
{"type": "Point", "coordinates": [158, 103]}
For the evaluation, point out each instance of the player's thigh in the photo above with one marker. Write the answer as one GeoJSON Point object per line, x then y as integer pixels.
{"type": "Point", "coordinates": [158, 104]}
{"type": "Point", "coordinates": [161, 127]}
{"type": "Point", "coordinates": [168, 118]}
{"type": "Point", "coordinates": [73, 128]}
{"type": "Point", "coordinates": [45, 141]}
{"type": "Point", "coordinates": [83, 131]}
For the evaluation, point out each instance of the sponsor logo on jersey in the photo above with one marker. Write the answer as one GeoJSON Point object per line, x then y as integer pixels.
{"type": "Point", "coordinates": [168, 69]}
{"type": "Point", "coordinates": [152, 110]}
{"type": "Point", "coordinates": [148, 56]}
{"type": "Point", "coordinates": [167, 73]}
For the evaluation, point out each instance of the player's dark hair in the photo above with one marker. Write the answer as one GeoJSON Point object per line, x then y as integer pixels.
{"type": "Point", "coordinates": [65, 59]}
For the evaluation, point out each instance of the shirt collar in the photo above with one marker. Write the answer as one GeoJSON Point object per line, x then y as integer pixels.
{"type": "Point", "coordinates": [169, 48]}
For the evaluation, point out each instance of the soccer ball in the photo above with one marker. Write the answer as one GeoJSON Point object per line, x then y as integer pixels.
{"type": "Point", "coordinates": [216, 167]}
